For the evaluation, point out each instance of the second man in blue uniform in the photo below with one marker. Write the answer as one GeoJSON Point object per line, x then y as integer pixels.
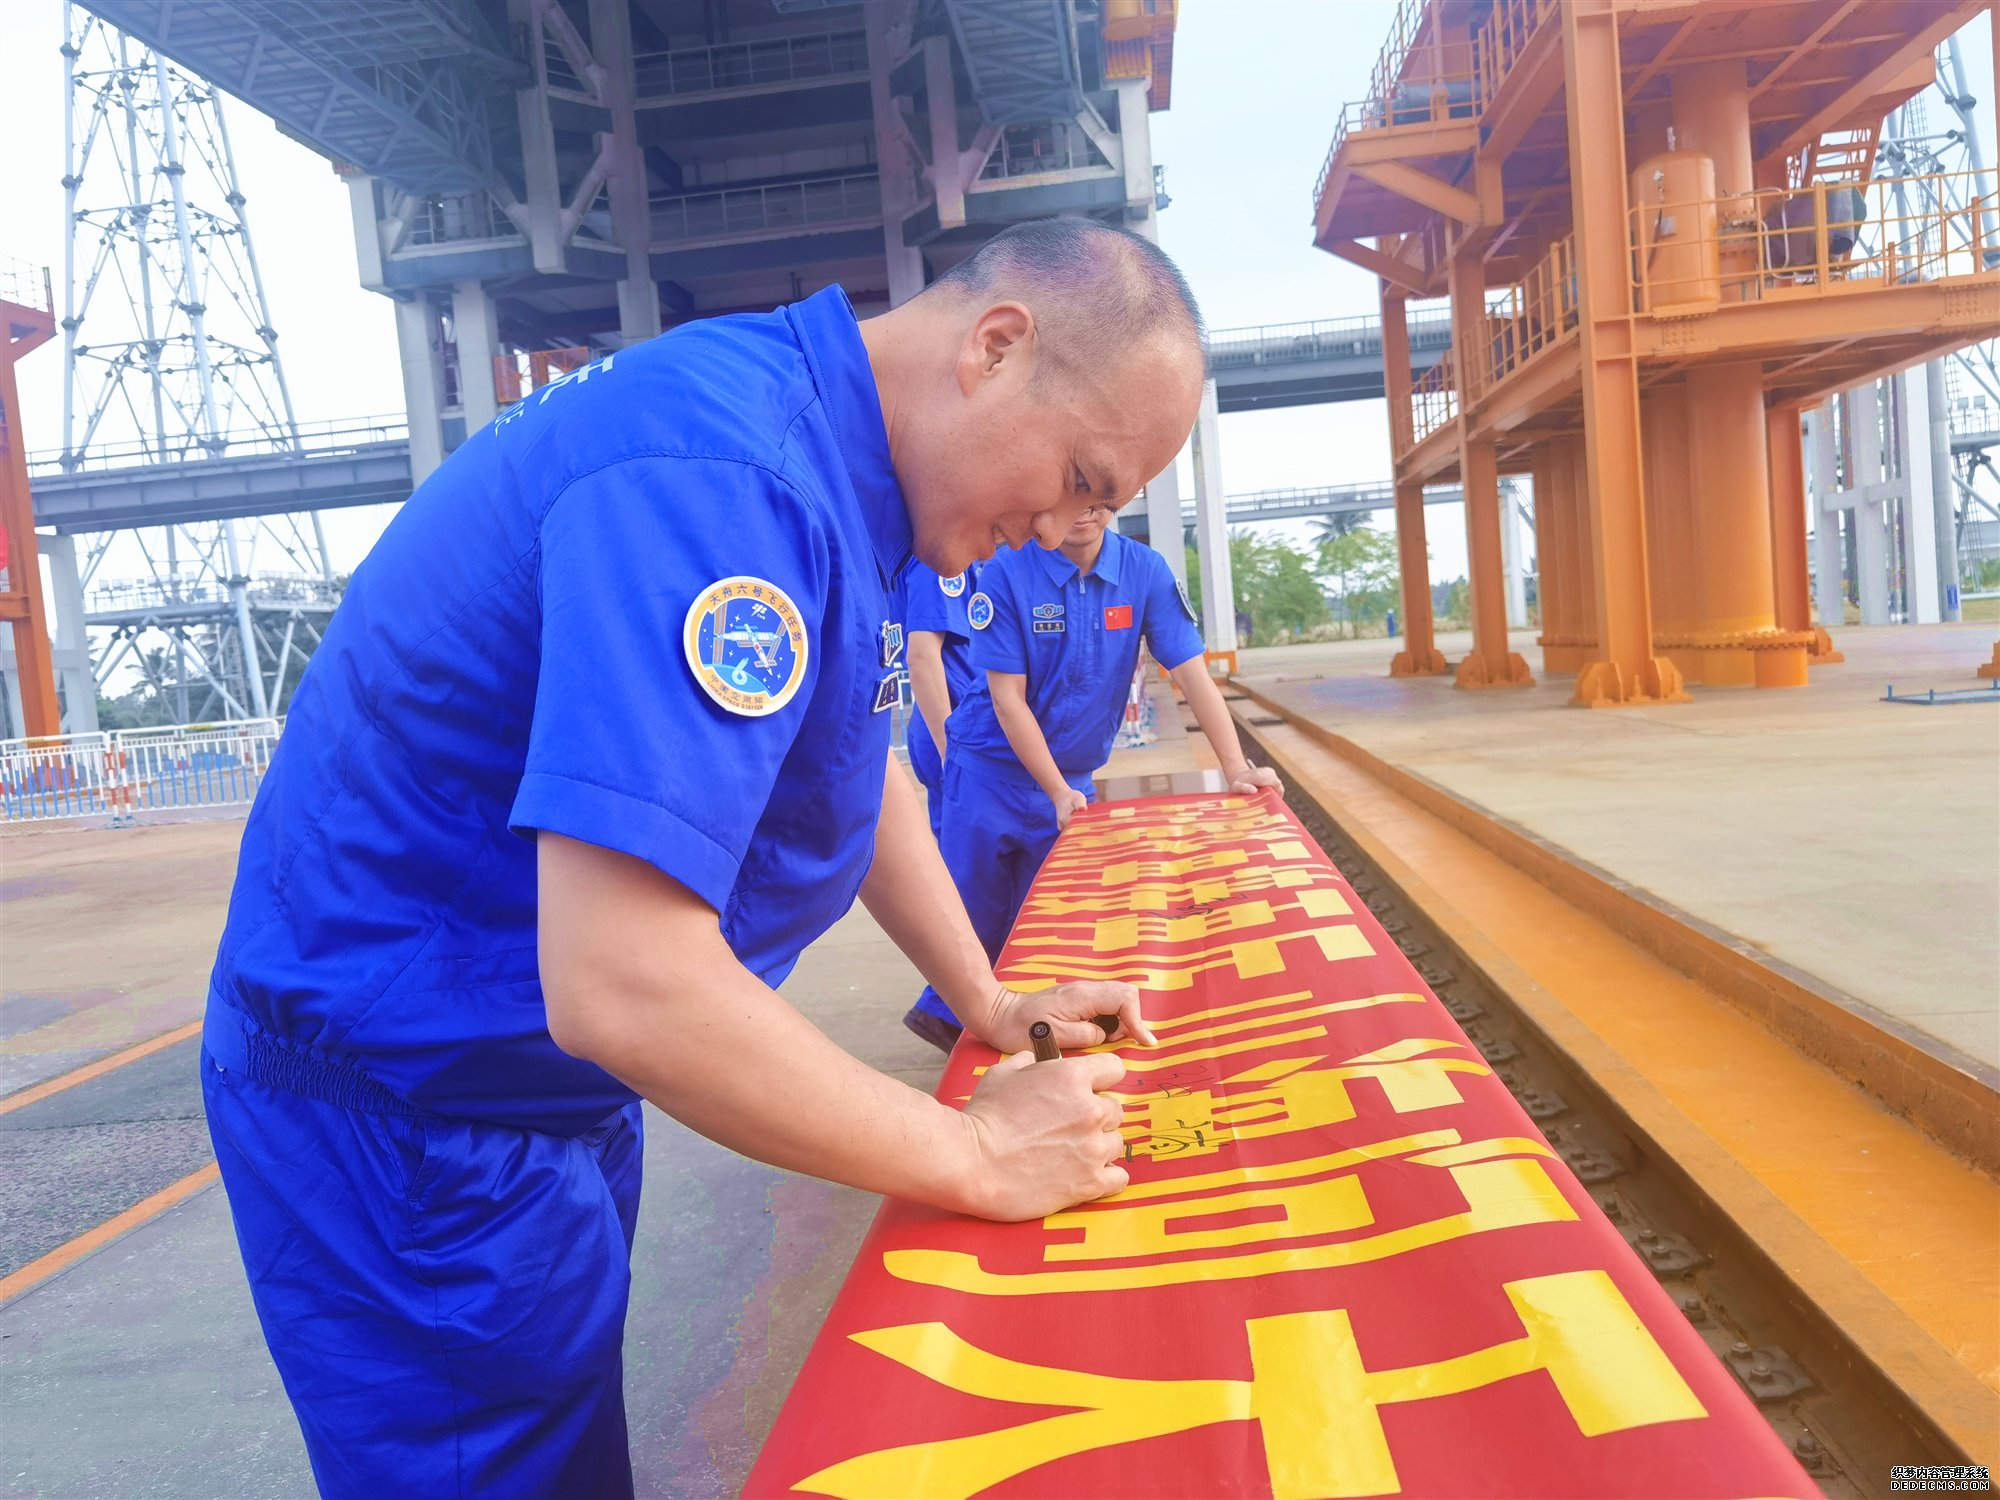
{"type": "Point", "coordinates": [1055, 635]}
{"type": "Point", "coordinates": [938, 649]}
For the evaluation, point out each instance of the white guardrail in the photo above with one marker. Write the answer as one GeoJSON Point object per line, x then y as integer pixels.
{"type": "Point", "coordinates": [127, 772]}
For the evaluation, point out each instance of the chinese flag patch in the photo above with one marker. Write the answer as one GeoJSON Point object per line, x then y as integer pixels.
{"type": "Point", "coordinates": [1118, 617]}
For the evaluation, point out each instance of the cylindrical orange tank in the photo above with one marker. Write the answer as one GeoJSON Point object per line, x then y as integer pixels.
{"type": "Point", "coordinates": [1711, 116]}
{"type": "Point", "coordinates": [1673, 198]}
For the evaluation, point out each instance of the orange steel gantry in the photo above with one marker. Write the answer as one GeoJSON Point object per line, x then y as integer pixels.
{"type": "Point", "coordinates": [27, 320]}
{"type": "Point", "coordinates": [1658, 225]}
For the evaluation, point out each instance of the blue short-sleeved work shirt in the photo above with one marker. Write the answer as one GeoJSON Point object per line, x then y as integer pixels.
{"type": "Point", "coordinates": [938, 604]}
{"type": "Point", "coordinates": [1075, 636]}
{"type": "Point", "coordinates": [648, 608]}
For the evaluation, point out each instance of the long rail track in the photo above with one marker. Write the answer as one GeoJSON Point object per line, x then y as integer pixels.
{"type": "Point", "coordinates": [1845, 1371]}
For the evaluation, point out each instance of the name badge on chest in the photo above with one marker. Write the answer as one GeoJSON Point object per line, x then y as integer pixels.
{"type": "Point", "coordinates": [888, 692]}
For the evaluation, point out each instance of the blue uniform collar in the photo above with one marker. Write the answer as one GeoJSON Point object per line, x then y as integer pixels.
{"type": "Point", "coordinates": [830, 335]}
{"type": "Point", "coordinates": [1110, 561]}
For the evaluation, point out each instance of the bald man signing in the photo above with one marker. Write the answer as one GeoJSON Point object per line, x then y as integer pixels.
{"type": "Point", "coordinates": [596, 744]}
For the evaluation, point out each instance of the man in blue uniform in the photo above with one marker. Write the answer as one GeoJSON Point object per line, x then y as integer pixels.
{"type": "Point", "coordinates": [938, 648]}
{"type": "Point", "coordinates": [596, 744]}
{"type": "Point", "coordinates": [1056, 634]}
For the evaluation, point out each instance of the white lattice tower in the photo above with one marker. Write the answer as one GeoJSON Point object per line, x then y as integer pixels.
{"type": "Point", "coordinates": [1933, 155]}
{"type": "Point", "coordinates": [169, 351]}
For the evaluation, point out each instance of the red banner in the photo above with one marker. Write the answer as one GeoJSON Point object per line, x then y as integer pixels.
{"type": "Point", "coordinates": [1347, 1264]}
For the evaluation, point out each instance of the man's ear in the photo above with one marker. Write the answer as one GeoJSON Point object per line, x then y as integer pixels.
{"type": "Point", "coordinates": [1000, 345]}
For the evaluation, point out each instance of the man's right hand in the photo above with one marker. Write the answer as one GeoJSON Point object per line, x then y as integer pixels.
{"type": "Point", "coordinates": [1044, 1135]}
{"type": "Point", "coordinates": [1069, 802]}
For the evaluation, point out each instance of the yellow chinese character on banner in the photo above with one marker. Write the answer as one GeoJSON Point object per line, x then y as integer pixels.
{"type": "Point", "coordinates": [1251, 958]}
{"type": "Point", "coordinates": [1056, 899]}
{"type": "Point", "coordinates": [1277, 1096]}
{"type": "Point", "coordinates": [1316, 1401]}
{"type": "Point", "coordinates": [1501, 1182]}
{"type": "Point", "coordinates": [1115, 934]}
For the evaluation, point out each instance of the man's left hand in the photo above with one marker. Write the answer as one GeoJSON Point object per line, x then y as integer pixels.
{"type": "Point", "coordinates": [1071, 1011]}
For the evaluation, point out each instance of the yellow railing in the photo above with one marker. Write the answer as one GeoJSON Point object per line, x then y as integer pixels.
{"type": "Point", "coordinates": [1508, 30]}
{"type": "Point", "coordinates": [1433, 400]}
{"type": "Point", "coordinates": [1414, 83]}
{"type": "Point", "coordinates": [1435, 82]}
{"type": "Point", "coordinates": [1535, 315]}
{"type": "Point", "coordinates": [1427, 99]}
{"type": "Point", "coordinates": [1821, 238]}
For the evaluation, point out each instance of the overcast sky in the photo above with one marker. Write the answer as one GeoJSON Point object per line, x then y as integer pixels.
{"type": "Point", "coordinates": [1257, 84]}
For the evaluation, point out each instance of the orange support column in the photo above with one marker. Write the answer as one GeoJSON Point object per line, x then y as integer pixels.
{"type": "Point", "coordinates": [1569, 613]}
{"type": "Point", "coordinates": [1420, 656]}
{"type": "Point", "coordinates": [1735, 638]}
{"type": "Point", "coordinates": [1489, 663]}
{"type": "Point", "coordinates": [1582, 550]}
{"type": "Point", "coordinates": [1624, 669]}
{"type": "Point", "coordinates": [1791, 577]}
{"type": "Point", "coordinates": [1548, 581]}
{"type": "Point", "coordinates": [23, 327]}
{"type": "Point", "coordinates": [1670, 550]}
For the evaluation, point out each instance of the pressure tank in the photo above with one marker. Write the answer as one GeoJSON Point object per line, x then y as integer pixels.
{"type": "Point", "coordinates": [1677, 251]}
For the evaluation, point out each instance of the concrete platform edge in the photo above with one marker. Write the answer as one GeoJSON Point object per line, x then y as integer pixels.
{"type": "Point", "coordinates": [1953, 1098]}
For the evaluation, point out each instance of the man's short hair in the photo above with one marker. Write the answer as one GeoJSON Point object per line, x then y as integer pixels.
{"type": "Point", "coordinates": [1095, 290]}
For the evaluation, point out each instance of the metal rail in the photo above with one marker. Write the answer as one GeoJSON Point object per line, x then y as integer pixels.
{"type": "Point", "coordinates": [124, 773]}
{"type": "Point", "coordinates": [1322, 338]}
{"type": "Point", "coordinates": [731, 66]}
{"type": "Point", "coordinates": [722, 212]}
{"type": "Point", "coordinates": [25, 284]}
{"type": "Point", "coordinates": [336, 435]}
{"type": "Point", "coordinates": [1844, 1418]}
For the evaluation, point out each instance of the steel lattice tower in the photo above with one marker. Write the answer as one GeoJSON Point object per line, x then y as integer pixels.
{"type": "Point", "coordinates": [1971, 377]}
{"type": "Point", "coordinates": [170, 355]}
{"type": "Point", "coordinates": [1930, 157]}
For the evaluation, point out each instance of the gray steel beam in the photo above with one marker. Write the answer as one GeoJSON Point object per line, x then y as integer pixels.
{"type": "Point", "coordinates": [1329, 500]}
{"type": "Point", "coordinates": [221, 489]}
{"type": "Point", "coordinates": [1289, 368]}
{"type": "Point", "coordinates": [407, 90]}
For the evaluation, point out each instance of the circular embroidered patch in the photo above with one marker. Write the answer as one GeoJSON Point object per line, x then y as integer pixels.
{"type": "Point", "coordinates": [953, 586]}
{"type": "Point", "coordinates": [979, 611]}
{"type": "Point", "coordinates": [1181, 589]}
{"type": "Point", "coordinates": [746, 645]}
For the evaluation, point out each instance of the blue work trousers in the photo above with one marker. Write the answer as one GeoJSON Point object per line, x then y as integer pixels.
{"type": "Point", "coordinates": [445, 1300]}
{"type": "Point", "coordinates": [997, 831]}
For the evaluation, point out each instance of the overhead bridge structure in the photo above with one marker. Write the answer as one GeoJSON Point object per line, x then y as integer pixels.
{"type": "Point", "coordinates": [367, 461]}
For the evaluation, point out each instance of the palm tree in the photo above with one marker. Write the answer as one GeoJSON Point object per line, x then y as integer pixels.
{"type": "Point", "coordinates": [1339, 524]}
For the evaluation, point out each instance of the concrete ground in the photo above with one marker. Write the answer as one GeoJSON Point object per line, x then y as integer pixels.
{"type": "Point", "coordinates": [1855, 839]}
{"type": "Point", "coordinates": [140, 1371]}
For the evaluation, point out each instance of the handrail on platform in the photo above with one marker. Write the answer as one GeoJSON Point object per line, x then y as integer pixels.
{"type": "Point", "coordinates": [1435, 82]}
{"type": "Point", "coordinates": [1817, 240]}
{"type": "Point", "coordinates": [26, 284]}
{"type": "Point", "coordinates": [315, 439]}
